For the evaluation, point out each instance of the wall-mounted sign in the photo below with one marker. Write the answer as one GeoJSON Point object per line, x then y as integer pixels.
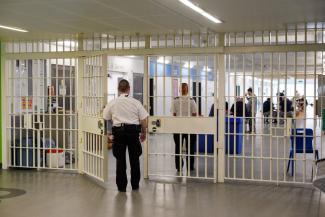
{"type": "Point", "coordinates": [26, 102]}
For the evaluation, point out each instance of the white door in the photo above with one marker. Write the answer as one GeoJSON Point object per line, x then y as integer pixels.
{"type": "Point", "coordinates": [183, 145]}
{"type": "Point", "coordinates": [92, 133]}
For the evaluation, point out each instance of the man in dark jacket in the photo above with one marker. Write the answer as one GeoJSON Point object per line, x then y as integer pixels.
{"type": "Point", "coordinates": [268, 108]}
{"type": "Point", "coordinates": [239, 107]}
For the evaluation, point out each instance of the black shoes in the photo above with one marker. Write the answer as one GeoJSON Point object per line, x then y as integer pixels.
{"type": "Point", "coordinates": [134, 188]}
{"type": "Point", "coordinates": [122, 190]}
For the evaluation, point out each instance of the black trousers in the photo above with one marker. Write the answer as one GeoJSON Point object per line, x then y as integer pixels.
{"type": "Point", "coordinates": [121, 141]}
{"type": "Point", "coordinates": [189, 148]}
{"type": "Point", "coordinates": [251, 122]}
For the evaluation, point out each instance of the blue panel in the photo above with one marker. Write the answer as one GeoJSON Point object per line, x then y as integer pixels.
{"type": "Point", "coordinates": [174, 71]}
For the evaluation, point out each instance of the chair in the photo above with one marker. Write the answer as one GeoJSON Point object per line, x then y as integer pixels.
{"type": "Point", "coordinates": [298, 136]}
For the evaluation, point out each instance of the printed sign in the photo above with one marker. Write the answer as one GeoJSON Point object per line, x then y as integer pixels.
{"type": "Point", "coordinates": [26, 103]}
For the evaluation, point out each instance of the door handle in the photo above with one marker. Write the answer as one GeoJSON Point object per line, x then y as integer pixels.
{"type": "Point", "coordinates": [101, 126]}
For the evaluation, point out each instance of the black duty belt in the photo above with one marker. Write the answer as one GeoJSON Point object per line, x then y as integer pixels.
{"type": "Point", "coordinates": [127, 128]}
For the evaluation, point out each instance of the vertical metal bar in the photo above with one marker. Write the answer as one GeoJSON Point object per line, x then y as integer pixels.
{"type": "Point", "coordinates": [271, 129]}
{"type": "Point", "coordinates": [50, 106]}
{"type": "Point", "coordinates": [270, 120]}
{"type": "Point", "coordinates": [26, 112]}
{"type": "Point", "coordinates": [314, 114]}
{"type": "Point", "coordinates": [189, 112]}
{"type": "Point", "coordinates": [182, 38]}
{"type": "Point", "coordinates": [197, 142]}
{"type": "Point", "coordinates": [244, 120]}
{"type": "Point", "coordinates": [164, 86]}
{"type": "Point", "coordinates": [10, 72]}
{"type": "Point", "coordinates": [296, 32]}
{"type": "Point", "coordinates": [97, 157]}
{"type": "Point", "coordinates": [206, 105]}
{"type": "Point", "coordinates": [286, 136]}
{"type": "Point", "coordinates": [41, 102]}
{"type": "Point", "coordinates": [294, 136]}
{"type": "Point", "coordinates": [7, 67]}
{"type": "Point", "coordinates": [64, 114]}
{"type": "Point", "coordinates": [155, 88]}
{"type": "Point", "coordinates": [71, 115]}
{"type": "Point", "coordinates": [252, 118]}
{"type": "Point", "coordinates": [228, 117]}
{"type": "Point", "coordinates": [20, 113]}
{"type": "Point", "coordinates": [79, 109]}
{"type": "Point", "coordinates": [181, 114]}
{"type": "Point", "coordinates": [146, 99]}
{"type": "Point", "coordinates": [103, 138]}
{"type": "Point", "coordinates": [305, 119]}
{"type": "Point", "coordinates": [219, 149]}
{"type": "Point", "coordinates": [305, 33]}
{"type": "Point", "coordinates": [206, 85]}
{"type": "Point", "coordinates": [234, 134]}
{"type": "Point", "coordinates": [277, 145]}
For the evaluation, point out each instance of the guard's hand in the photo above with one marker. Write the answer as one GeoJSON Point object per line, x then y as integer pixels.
{"type": "Point", "coordinates": [143, 137]}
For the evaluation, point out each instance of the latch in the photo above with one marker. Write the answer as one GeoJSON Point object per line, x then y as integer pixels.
{"type": "Point", "coordinates": [101, 126]}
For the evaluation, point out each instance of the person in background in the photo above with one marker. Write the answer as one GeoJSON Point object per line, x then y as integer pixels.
{"type": "Point", "coordinates": [251, 110]}
{"type": "Point", "coordinates": [268, 109]}
{"type": "Point", "coordinates": [239, 107]}
{"type": "Point", "coordinates": [184, 106]}
{"type": "Point", "coordinates": [285, 107]}
{"type": "Point", "coordinates": [211, 113]}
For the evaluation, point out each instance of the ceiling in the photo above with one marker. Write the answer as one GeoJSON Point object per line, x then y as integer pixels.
{"type": "Point", "coordinates": [44, 18]}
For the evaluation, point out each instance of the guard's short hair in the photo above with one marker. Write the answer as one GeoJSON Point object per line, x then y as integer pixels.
{"type": "Point", "coordinates": [123, 86]}
{"type": "Point", "coordinates": [250, 90]}
{"type": "Point", "coordinates": [184, 84]}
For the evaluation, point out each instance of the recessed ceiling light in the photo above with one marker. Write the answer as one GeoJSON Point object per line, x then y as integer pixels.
{"type": "Point", "coordinates": [13, 28]}
{"type": "Point", "coordinates": [200, 11]}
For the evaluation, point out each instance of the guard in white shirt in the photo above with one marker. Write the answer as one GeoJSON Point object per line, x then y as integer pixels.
{"type": "Point", "coordinates": [129, 119]}
{"type": "Point", "coordinates": [184, 106]}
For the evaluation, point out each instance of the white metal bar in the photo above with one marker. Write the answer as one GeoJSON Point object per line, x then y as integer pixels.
{"type": "Point", "coordinates": [220, 146]}
{"type": "Point", "coordinates": [270, 129]}
{"type": "Point", "coordinates": [305, 115]}
{"type": "Point", "coordinates": [271, 113]}
{"type": "Point", "coordinates": [146, 99]}
{"type": "Point", "coordinates": [252, 118]}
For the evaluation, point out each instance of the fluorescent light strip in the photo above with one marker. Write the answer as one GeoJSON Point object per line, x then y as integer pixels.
{"type": "Point", "coordinates": [200, 11]}
{"type": "Point", "coordinates": [13, 28]}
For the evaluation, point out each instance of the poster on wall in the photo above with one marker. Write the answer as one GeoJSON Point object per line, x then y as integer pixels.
{"type": "Point", "coordinates": [26, 103]}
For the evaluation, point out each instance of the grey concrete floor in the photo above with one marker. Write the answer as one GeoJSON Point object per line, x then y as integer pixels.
{"type": "Point", "coordinates": [61, 194]}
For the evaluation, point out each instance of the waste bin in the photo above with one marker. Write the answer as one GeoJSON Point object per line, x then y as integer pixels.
{"type": "Point", "coordinates": [202, 143]}
{"type": "Point", "coordinates": [230, 135]}
{"type": "Point", "coordinates": [24, 154]}
{"type": "Point", "coordinates": [55, 158]}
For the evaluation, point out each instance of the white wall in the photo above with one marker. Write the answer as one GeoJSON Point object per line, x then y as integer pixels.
{"type": "Point", "coordinates": [122, 67]}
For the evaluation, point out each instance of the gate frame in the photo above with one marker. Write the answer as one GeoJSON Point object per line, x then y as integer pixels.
{"type": "Point", "coordinates": [220, 51]}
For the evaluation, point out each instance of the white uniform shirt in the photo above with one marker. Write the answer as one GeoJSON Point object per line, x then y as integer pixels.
{"type": "Point", "coordinates": [252, 103]}
{"type": "Point", "coordinates": [124, 110]}
{"type": "Point", "coordinates": [184, 106]}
